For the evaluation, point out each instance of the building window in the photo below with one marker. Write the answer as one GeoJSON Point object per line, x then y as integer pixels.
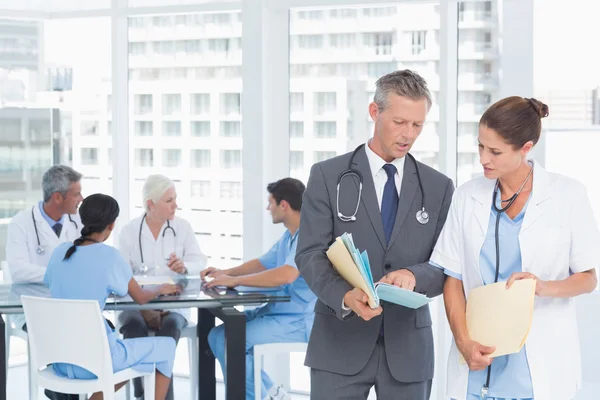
{"type": "Point", "coordinates": [200, 128]}
{"type": "Point", "coordinates": [109, 155]}
{"type": "Point", "coordinates": [143, 104]}
{"type": "Point", "coordinates": [171, 104]}
{"type": "Point", "coordinates": [323, 155]}
{"type": "Point", "coordinates": [418, 41]}
{"type": "Point", "coordinates": [231, 190]}
{"type": "Point", "coordinates": [200, 158]}
{"type": "Point", "coordinates": [296, 160]}
{"type": "Point", "coordinates": [143, 128]}
{"type": "Point", "coordinates": [200, 103]}
{"type": "Point", "coordinates": [231, 159]}
{"type": "Point", "coordinates": [296, 129]}
{"type": "Point", "coordinates": [325, 130]}
{"type": "Point", "coordinates": [379, 42]}
{"type": "Point", "coordinates": [230, 103]}
{"type": "Point", "coordinates": [89, 156]}
{"type": "Point", "coordinates": [137, 49]}
{"type": "Point", "coordinates": [310, 42]}
{"type": "Point", "coordinates": [325, 103]}
{"type": "Point", "coordinates": [296, 102]}
{"type": "Point", "coordinates": [171, 128]}
{"type": "Point", "coordinates": [90, 128]}
{"type": "Point", "coordinates": [342, 40]}
{"type": "Point", "coordinates": [171, 158]}
{"type": "Point", "coordinates": [144, 157]}
{"type": "Point", "coordinates": [231, 129]}
{"type": "Point", "coordinates": [487, 40]}
{"type": "Point", "coordinates": [200, 190]}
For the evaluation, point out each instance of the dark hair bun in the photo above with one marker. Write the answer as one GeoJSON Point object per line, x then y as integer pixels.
{"type": "Point", "coordinates": [541, 108]}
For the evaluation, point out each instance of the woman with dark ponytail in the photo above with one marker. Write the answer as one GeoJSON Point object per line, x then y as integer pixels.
{"type": "Point", "coordinates": [88, 269]}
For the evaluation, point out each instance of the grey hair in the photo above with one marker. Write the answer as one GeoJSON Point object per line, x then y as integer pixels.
{"type": "Point", "coordinates": [57, 179]}
{"type": "Point", "coordinates": [405, 83]}
{"type": "Point", "coordinates": [154, 188]}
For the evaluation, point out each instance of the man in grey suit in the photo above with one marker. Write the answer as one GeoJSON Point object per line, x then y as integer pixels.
{"type": "Point", "coordinates": [353, 347]}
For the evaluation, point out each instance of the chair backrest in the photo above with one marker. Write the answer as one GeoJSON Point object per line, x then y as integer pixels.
{"type": "Point", "coordinates": [68, 331]}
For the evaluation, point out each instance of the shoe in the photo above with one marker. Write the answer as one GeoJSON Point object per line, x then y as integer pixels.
{"type": "Point", "coordinates": [279, 393]}
{"type": "Point", "coordinates": [60, 396]}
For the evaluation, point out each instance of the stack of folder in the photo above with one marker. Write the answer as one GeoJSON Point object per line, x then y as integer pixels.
{"type": "Point", "coordinates": [355, 268]}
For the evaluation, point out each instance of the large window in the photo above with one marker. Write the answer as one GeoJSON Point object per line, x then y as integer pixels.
{"type": "Point", "coordinates": [185, 85]}
{"type": "Point", "coordinates": [333, 72]}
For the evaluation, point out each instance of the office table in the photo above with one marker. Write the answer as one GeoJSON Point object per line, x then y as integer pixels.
{"type": "Point", "coordinates": [210, 303]}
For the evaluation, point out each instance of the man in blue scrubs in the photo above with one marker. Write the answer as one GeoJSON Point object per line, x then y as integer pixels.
{"type": "Point", "coordinates": [276, 322]}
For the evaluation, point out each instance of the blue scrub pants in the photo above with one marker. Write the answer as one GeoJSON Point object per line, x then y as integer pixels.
{"type": "Point", "coordinates": [260, 329]}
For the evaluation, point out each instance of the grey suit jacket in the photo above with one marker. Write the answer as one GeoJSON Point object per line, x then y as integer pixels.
{"type": "Point", "coordinates": [344, 345]}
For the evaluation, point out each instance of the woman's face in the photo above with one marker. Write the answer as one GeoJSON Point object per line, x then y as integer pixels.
{"type": "Point", "coordinates": [497, 157]}
{"type": "Point", "coordinates": [167, 205]}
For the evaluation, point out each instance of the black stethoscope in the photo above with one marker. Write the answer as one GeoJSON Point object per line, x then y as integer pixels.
{"type": "Point", "coordinates": [509, 202]}
{"type": "Point", "coordinates": [422, 215]}
{"type": "Point", "coordinates": [40, 249]}
{"type": "Point", "coordinates": [143, 267]}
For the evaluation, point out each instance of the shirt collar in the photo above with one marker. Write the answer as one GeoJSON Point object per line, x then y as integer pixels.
{"type": "Point", "coordinates": [376, 163]}
{"type": "Point", "coordinates": [47, 218]}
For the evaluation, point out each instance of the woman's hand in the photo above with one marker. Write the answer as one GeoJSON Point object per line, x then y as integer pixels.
{"type": "Point", "coordinates": [153, 318]}
{"type": "Point", "coordinates": [476, 355]}
{"type": "Point", "coordinates": [541, 287]}
{"type": "Point", "coordinates": [168, 288]}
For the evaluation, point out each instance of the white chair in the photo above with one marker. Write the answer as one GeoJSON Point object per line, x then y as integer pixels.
{"type": "Point", "coordinates": [262, 350]}
{"type": "Point", "coordinates": [189, 332]}
{"type": "Point", "coordinates": [55, 337]}
{"type": "Point", "coordinates": [14, 327]}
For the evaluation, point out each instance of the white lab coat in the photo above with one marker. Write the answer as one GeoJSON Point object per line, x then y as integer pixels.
{"type": "Point", "coordinates": [24, 263]}
{"type": "Point", "coordinates": [156, 251]}
{"type": "Point", "coordinates": [559, 236]}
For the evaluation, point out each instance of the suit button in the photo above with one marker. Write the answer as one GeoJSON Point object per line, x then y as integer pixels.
{"type": "Point", "coordinates": [388, 267]}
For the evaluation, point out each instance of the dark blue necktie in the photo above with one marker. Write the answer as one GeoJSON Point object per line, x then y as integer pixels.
{"type": "Point", "coordinates": [57, 228]}
{"type": "Point", "coordinates": [389, 202]}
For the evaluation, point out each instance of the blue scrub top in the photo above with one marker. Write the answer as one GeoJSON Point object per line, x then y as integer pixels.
{"type": "Point", "coordinates": [302, 299]}
{"type": "Point", "coordinates": [510, 377]}
{"type": "Point", "coordinates": [92, 273]}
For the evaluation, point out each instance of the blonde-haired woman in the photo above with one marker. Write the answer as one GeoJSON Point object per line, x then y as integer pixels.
{"type": "Point", "coordinates": [158, 243]}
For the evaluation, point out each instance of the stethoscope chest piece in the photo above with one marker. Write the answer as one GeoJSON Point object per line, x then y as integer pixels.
{"type": "Point", "coordinates": [422, 217]}
{"type": "Point", "coordinates": [40, 251]}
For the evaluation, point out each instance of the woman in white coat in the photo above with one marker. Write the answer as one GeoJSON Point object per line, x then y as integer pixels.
{"type": "Point", "coordinates": [546, 231]}
{"type": "Point", "coordinates": [158, 243]}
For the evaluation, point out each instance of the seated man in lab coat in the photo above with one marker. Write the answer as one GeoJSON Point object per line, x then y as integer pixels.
{"type": "Point", "coordinates": [275, 322]}
{"type": "Point", "coordinates": [34, 233]}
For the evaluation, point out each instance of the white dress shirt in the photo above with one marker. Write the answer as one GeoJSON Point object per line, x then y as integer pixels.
{"type": "Point", "coordinates": [380, 178]}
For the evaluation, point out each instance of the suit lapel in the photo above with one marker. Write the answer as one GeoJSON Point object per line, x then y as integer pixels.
{"type": "Point", "coordinates": [369, 197]}
{"type": "Point", "coordinates": [408, 189]}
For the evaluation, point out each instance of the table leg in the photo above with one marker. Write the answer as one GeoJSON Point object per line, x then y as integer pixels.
{"type": "Point", "coordinates": [235, 353]}
{"type": "Point", "coordinates": [3, 366]}
{"type": "Point", "coordinates": [207, 384]}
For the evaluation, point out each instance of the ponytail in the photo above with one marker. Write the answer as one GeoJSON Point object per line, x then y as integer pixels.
{"type": "Point", "coordinates": [76, 243]}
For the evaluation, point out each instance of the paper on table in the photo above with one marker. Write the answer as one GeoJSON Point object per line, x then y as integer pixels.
{"type": "Point", "coordinates": [153, 280]}
{"type": "Point", "coordinates": [501, 317]}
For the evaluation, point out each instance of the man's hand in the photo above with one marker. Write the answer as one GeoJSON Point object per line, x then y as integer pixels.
{"type": "Point", "coordinates": [476, 355]}
{"type": "Point", "coordinates": [176, 265]}
{"type": "Point", "coordinates": [357, 301]}
{"type": "Point", "coordinates": [153, 318]}
{"type": "Point", "coordinates": [211, 272]}
{"type": "Point", "coordinates": [402, 278]}
{"type": "Point", "coordinates": [224, 280]}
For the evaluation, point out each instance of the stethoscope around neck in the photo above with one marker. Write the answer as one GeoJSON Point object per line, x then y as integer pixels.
{"type": "Point", "coordinates": [499, 210]}
{"type": "Point", "coordinates": [422, 215]}
{"type": "Point", "coordinates": [41, 250]}
{"type": "Point", "coordinates": [143, 267]}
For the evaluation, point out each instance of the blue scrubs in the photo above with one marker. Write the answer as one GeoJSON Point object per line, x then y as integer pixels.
{"type": "Point", "coordinates": [92, 273]}
{"type": "Point", "coordinates": [510, 378]}
{"type": "Point", "coordinates": [275, 322]}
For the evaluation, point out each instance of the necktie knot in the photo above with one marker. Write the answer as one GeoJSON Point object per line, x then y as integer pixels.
{"type": "Point", "coordinates": [390, 170]}
{"type": "Point", "coordinates": [57, 228]}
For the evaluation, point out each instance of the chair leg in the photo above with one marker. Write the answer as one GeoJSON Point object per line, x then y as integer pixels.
{"type": "Point", "coordinates": [108, 393]}
{"type": "Point", "coordinates": [81, 397]}
{"type": "Point", "coordinates": [32, 372]}
{"type": "Point", "coordinates": [150, 386]}
{"type": "Point", "coordinates": [128, 390]}
{"type": "Point", "coordinates": [258, 358]}
{"type": "Point", "coordinates": [7, 341]}
{"type": "Point", "coordinates": [192, 344]}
